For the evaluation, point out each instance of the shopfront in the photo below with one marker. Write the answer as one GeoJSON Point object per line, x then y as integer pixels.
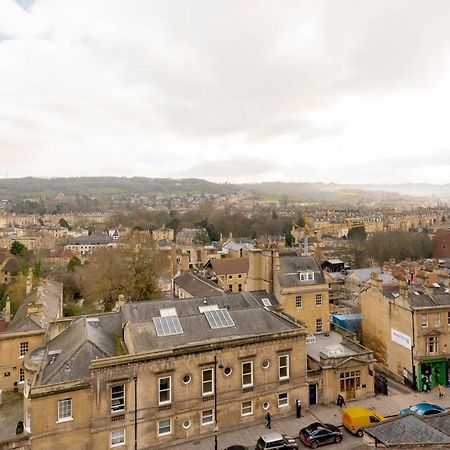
{"type": "Point", "coordinates": [432, 372]}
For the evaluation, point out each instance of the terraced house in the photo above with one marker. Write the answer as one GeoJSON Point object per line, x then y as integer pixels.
{"type": "Point", "coordinates": [163, 371]}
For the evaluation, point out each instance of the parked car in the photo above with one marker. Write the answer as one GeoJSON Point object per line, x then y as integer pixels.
{"type": "Point", "coordinates": [318, 433]}
{"type": "Point", "coordinates": [276, 441]}
{"type": "Point", "coordinates": [238, 447]}
{"type": "Point", "coordinates": [423, 409]}
{"type": "Point", "coordinates": [356, 418]}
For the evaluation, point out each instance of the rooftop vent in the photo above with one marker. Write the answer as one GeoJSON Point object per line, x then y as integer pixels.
{"type": "Point", "coordinates": [266, 301]}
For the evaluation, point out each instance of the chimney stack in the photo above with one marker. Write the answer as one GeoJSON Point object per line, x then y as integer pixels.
{"type": "Point", "coordinates": [7, 310]}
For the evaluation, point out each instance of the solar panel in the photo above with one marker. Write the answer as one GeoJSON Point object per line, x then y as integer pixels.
{"type": "Point", "coordinates": [220, 318]}
{"type": "Point", "coordinates": [167, 326]}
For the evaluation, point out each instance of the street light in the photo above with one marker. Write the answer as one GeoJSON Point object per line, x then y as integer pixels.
{"type": "Point", "coordinates": [216, 426]}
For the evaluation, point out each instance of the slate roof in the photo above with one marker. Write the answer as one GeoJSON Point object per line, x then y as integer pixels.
{"type": "Point", "coordinates": [225, 266]}
{"type": "Point", "coordinates": [49, 294]}
{"type": "Point", "coordinates": [418, 297]}
{"type": "Point", "coordinates": [363, 275]}
{"type": "Point", "coordinates": [68, 356]}
{"type": "Point", "coordinates": [292, 265]}
{"type": "Point", "coordinates": [197, 286]}
{"type": "Point", "coordinates": [246, 310]}
{"type": "Point", "coordinates": [410, 430]}
{"type": "Point", "coordinates": [93, 239]}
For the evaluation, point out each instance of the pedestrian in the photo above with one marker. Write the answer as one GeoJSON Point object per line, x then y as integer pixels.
{"type": "Point", "coordinates": [269, 420]}
{"type": "Point", "coordinates": [441, 391]}
{"type": "Point", "coordinates": [340, 401]}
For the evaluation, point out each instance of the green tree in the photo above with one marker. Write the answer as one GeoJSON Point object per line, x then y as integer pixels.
{"type": "Point", "coordinates": [289, 239]}
{"type": "Point", "coordinates": [73, 263]}
{"type": "Point", "coordinates": [18, 249]}
{"type": "Point", "coordinates": [357, 234]}
{"type": "Point", "coordinates": [63, 223]}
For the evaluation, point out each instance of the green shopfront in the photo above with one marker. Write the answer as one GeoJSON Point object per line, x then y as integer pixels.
{"type": "Point", "coordinates": [433, 371]}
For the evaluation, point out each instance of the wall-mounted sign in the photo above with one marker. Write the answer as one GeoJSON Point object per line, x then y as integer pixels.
{"type": "Point", "coordinates": [400, 338]}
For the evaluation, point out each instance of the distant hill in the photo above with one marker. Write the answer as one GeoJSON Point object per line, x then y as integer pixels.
{"type": "Point", "coordinates": [22, 188]}
{"type": "Point", "coordinates": [13, 188]}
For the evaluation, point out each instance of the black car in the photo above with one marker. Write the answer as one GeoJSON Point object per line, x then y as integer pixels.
{"type": "Point", "coordinates": [238, 447]}
{"type": "Point", "coordinates": [318, 433]}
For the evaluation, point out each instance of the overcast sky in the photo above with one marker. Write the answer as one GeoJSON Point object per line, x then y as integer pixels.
{"type": "Point", "coordinates": [241, 91]}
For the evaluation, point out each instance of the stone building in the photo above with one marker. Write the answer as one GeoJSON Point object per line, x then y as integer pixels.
{"type": "Point", "coordinates": [164, 371]}
{"type": "Point", "coordinates": [189, 285]}
{"type": "Point", "coordinates": [163, 234]}
{"type": "Point", "coordinates": [26, 331]}
{"type": "Point", "coordinates": [338, 365]}
{"type": "Point", "coordinates": [229, 273]}
{"type": "Point", "coordinates": [409, 333]}
{"type": "Point", "coordinates": [298, 283]}
{"type": "Point", "coordinates": [441, 244]}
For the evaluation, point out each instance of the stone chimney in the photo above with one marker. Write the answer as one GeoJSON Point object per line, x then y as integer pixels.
{"type": "Point", "coordinates": [403, 289]}
{"type": "Point", "coordinates": [36, 308]}
{"type": "Point", "coordinates": [120, 302]}
{"type": "Point", "coordinates": [29, 284]}
{"type": "Point", "coordinates": [173, 259]}
{"type": "Point", "coordinates": [7, 310]}
{"type": "Point", "coordinates": [184, 262]}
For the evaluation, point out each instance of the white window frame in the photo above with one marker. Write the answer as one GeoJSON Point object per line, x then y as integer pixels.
{"type": "Point", "coordinates": [205, 417]}
{"type": "Point", "coordinates": [319, 329]}
{"type": "Point", "coordinates": [298, 301]}
{"type": "Point", "coordinates": [117, 434]}
{"type": "Point", "coordinates": [117, 397]}
{"type": "Point", "coordinates": [62, 407]}
{"type": "Point", "coordinates": [245, 374]}
{"type": "Point", "coordinates": [285, 402]}
{"type": "Point", "coordinates": [23, 349]}
{"type": "Point", "coordinates": [21, 375]}
{"type": "Point", "coordinates": [248, 413]}
{"type": "Point", "coordinates": [204, 392]}
{"type": "Point", "coordinates": [160, 391]}
{"type": "Point", "coordinates": [437, 323]}
{"type": "Point", "coordinates": [166, 433]}
{"type": "Point", "coordinates": [282, 367]}
{"type": "Point", "coordinates": [434, 341]}
{"type": "Point", "coordinates": [448, 318]}
{"type": "Point", "coordinates": [318, 299]}
{"type": "Point", "coordinates": [424, 323]}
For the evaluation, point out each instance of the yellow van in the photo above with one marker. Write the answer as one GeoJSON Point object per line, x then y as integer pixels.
{"type": "Point", "coordinates": [356, 418]}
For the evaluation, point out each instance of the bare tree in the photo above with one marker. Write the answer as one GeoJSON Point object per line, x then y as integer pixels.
{"type": "Point", "coordinates": [132, 269]}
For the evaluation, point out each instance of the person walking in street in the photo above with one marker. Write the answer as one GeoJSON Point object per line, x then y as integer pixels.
{"type": "Point", "coordinates": [441, 391]}
{"type": "Point", "coordinates": [269, 420]}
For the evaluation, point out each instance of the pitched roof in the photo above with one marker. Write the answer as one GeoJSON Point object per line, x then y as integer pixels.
{"type": "Point", "coordinates": [225, 266]}
{"type": "Point", "coordinates": [292, 265]}
{"type": "Point", "coordinates": [197, 286]}
{"type": "Point", "coordinates": [68, 356]}
{"type": "Point", "coordinates": [247, 311]}
{"type": "Point", "coordinates": [49, 295]}
{"type": "Point", "coordinates": [93, 239]}
{"type": "Point", "coordinates": [410, 430]}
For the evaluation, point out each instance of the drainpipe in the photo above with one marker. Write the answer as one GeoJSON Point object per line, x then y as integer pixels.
{"type": "Point", "coordinates": [414, 382]}
{"type": "Point", "coordinates": [135, 414]}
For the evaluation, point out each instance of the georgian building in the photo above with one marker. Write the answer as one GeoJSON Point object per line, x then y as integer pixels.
{"type": "Point", "coordinates": [408, 328]}
{"type": "Point", "coordinates": [164, 371]}
{"type": "Point", "coordinates": [298, 283]}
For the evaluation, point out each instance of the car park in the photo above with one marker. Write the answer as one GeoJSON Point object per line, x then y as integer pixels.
{"type": "Point", "coordinates": [318, 433]}
{"type": "Point", "coordinates": [423, 409]}
{"type": "Point", "coordinates": [276, 441]}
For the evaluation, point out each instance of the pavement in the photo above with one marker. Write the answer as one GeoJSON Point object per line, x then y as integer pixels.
{"type": "Point", "coordinates": [399, 397]}
{"type": "Point", "coordinates": [11, 411]}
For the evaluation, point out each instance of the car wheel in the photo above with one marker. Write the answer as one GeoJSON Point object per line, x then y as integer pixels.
{"type": "Point", "coordinates": [314, 444]}
{"type": "Point", "coordinates": [360, 433]}
{"type": "Point", "coordinates": [337, 439]}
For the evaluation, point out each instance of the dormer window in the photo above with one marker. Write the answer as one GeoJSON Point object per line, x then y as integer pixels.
{"type": "Point", "coordinates": [306, 276]}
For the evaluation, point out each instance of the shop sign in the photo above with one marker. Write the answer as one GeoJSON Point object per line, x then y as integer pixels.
{"type": "Point", "coordinates": [400, 338]}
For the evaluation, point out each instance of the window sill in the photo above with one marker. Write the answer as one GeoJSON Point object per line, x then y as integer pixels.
{"type": "Point", "coordinates": [69, 419]}
{"type": "Point", "coordinates": [122, 444]}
